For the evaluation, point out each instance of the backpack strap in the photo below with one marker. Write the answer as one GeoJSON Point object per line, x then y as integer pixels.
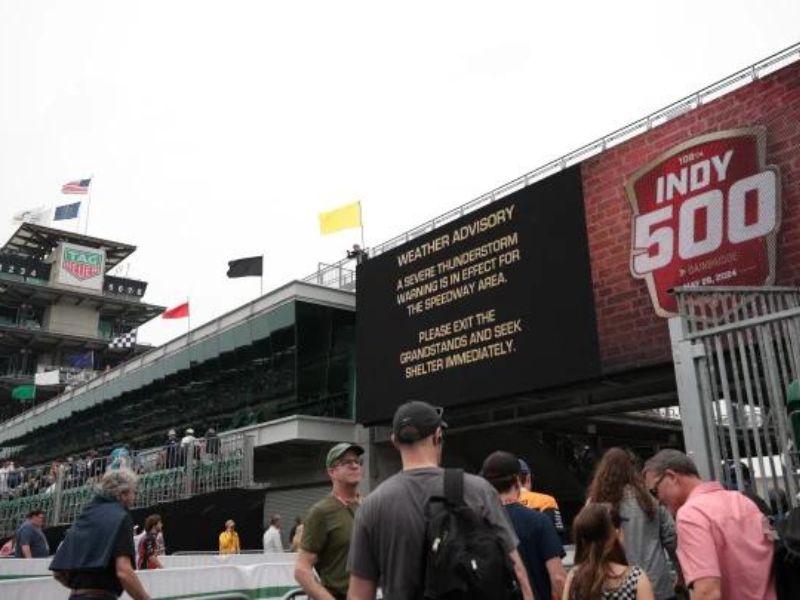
{"type": "Point", "coordinates": [454, 486]}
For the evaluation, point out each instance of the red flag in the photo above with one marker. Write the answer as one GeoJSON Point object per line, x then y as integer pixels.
{"type": "Point", "coordinates": [179, 312]}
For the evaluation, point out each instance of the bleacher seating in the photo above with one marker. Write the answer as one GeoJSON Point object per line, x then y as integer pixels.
{"type": "Point", "coordinates": [159, 485]}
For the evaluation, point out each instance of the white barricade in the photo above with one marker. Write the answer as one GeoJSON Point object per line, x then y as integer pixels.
{"type": "Point", "coordinates": [14, 568]}
{"type": "Point", "coordinates": [258, 582]}
{"type": "Point", "coordinates": [200, 560]}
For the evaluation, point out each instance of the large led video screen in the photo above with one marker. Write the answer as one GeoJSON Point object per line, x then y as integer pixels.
{"type": "Point", "coordinates": [496, 303]}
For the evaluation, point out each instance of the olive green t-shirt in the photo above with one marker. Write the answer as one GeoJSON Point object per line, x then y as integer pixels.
{"type": "Point", "coordinates": [326, 532]}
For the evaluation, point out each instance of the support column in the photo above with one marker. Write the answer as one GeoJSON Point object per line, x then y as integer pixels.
{"type": "Point", "coordinates": [248, 459]}
{"type": "Point", "coordinates": [58, 492]}
{"type": "Point", "coordinates": [695, 430]}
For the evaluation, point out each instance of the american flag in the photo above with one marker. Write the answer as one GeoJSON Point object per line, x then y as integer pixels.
{"type": "Point", "coordinates": [81, 186]}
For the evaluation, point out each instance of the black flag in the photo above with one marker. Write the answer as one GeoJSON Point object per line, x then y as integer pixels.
{"type": "Point", "coordinates": [246, 267]}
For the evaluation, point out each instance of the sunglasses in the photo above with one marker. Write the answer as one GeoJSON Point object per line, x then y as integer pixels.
{"type": "Point", "coordinates": [350, 462]}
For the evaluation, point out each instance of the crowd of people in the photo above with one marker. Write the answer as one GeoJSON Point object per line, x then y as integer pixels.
{"type": "Point", "coordinates": [645, 532]}
{"type": "Point", "coordinates": [176, 452]}
{"type": "Point", "coordinates": [76, 471]}
{"type": "Point", "coordinates": [18, 481]}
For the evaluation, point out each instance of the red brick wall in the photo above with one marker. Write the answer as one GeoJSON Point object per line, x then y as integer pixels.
{"type": "Point", "coordinates": [630, 333]}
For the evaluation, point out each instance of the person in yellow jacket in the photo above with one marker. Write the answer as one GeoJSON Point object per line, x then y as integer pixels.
{"type": "Point", "coordinates": [229, 539]}
{"type": "Point", "coordinates": [544, 503]}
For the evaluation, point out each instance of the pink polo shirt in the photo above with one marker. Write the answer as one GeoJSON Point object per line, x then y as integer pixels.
{"type": "Point", "coordinates": [721, 534]}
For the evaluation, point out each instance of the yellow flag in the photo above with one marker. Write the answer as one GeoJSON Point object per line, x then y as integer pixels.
{"type": "Point", "coordinates": [344, 217]}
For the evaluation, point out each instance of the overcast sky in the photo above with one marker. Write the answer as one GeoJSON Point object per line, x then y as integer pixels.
{"type": "Point", "coordinates": [217, 130]}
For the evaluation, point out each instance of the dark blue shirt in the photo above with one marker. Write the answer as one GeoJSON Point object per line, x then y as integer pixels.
{"type": "Point", "coordinates": [538, 543]}
{"type": "Point", "coordinates": [30, 535]}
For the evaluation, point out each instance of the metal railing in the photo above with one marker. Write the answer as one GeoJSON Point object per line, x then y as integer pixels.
{"type": "Point", "coordinates": [335, 276]}
{"type": "Point", "coordinates": [166, 474]}
{"type": "Point", "coordinates": [327, 274]}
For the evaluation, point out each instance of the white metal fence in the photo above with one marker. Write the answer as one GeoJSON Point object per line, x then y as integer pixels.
{"type": "Point", "coordinates": [166, 474]}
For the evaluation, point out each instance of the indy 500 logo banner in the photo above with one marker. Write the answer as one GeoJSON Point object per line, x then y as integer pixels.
{"type": "Point", "coordinates": [706, 212]}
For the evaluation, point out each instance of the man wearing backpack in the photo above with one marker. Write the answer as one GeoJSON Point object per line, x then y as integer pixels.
{"type": "Point", "coordinates": [395, 542]}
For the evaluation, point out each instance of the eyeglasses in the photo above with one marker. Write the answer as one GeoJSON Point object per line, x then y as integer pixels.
{"type": "Point", "coordinates": [350, 462]}
{"type": "Point", "coordinates": [654, 490]}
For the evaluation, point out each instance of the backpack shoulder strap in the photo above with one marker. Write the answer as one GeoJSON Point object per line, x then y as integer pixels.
{"type": "Point", "coordinates": [454, 486]}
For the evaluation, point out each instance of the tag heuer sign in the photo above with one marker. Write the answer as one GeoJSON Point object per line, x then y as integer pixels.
{"type": "Point", "coordinates": [705, 212]}
{"type": "Point", "coordinates": [82, 266]}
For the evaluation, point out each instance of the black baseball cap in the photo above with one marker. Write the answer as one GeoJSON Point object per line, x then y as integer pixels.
{"type": "Point", "coordinates": [500, 467]}
{"type": "Point", "coordinates": [416, 420]}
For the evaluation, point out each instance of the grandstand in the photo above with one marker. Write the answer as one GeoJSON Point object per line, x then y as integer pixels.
{"type": "Point", "coordinates": [59, 310]}
{"type": "Point", "coordinates": [285, 359]}
{"type": "Point", "coordinates": [291, 358]}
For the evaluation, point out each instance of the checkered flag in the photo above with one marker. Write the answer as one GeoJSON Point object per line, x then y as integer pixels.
{"type": "Point", "coordinates": [126, 340]}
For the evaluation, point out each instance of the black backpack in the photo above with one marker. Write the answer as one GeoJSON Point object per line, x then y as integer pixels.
{"type": "Point", "coordinates": [786, 563]}
{"type": "Point", "coordinates": [465, 559]}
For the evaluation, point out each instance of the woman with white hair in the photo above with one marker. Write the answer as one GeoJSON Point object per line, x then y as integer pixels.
{"type": "Point", "coordinates": [96, 559]}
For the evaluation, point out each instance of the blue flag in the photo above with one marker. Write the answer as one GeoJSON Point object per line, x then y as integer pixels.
{"type": "Point", "coordinates": [67, 211]}
{"type": "Point", "coordinates": [82, 361]}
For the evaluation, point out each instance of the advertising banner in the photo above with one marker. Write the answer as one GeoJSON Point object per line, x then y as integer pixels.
{"type": "Point", "coordinates": [706, 212]}
{"type": "Point", "coordinates": [495, 303]}
{"type": "Point", "coordinates": [710, 197]}
{"type": "Point", "coordinates": [80, 266]}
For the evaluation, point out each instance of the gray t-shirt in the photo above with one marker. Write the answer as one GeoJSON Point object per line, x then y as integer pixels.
{"type": "Point", "coordinates": [389, 532]}
{"type": "Point", "coordinates": [30, 535]}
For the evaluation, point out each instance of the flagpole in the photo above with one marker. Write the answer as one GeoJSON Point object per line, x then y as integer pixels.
{"type": "Point", "coordinates": [361, 221]}
{"type": "Point", "coordinates": [88, 205]}
{"type": "Point", "coordinates": [88, 208]}
{"type": "Point", "coordinates": [188, 318]}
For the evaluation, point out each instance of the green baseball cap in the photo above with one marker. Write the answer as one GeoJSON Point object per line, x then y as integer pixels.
{"type": "Point", "coordinates": [336, 452]}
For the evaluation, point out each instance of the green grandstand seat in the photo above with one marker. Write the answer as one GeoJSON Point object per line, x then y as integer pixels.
{"type": "Point", "coordinates": [205, 469]}
{"type": "Point", "coordinates": [87, 493]}
{"type": "Point", "coordinates": [146, 482]}
{"type": "Point", "coordinates": [71, 501]}
{"type": "Point", "coordinates": [177, 476]}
